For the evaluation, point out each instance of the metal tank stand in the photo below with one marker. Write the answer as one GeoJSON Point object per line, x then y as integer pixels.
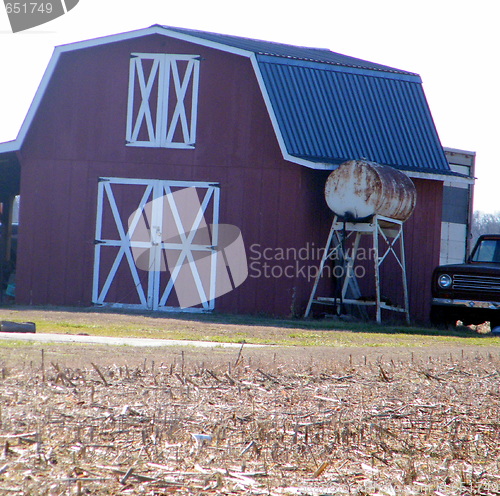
{"type": "Point", "coordinates": [385, 232]}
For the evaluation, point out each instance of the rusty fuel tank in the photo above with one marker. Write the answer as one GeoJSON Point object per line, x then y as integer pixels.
{"type": "Point", "coordinates": [360, 189]}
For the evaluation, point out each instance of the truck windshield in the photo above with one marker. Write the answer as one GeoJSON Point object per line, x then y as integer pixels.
{"type": "Point", "coordinates": [488, 250]}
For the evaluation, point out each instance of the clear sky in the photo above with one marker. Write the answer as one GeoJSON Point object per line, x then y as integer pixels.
{"type": "Point", "coordinates": [453, 44]}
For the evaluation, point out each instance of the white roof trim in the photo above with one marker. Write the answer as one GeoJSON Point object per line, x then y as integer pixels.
{"type": "Point", "coordinates": [457, 150]}
{"type": "Point", "coordinates": [440, 177]}
{"type": "Point", "coordinates": [9, 146]}
{"type": "Point", "coordinates": [310, 164]}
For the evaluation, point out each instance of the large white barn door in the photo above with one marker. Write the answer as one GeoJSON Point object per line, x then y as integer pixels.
{"type": "Point", "coordinates": [156, 244]}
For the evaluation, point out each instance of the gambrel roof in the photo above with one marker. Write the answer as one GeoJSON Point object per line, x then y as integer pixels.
{"type": "Point", "coordinates": [325, 107]}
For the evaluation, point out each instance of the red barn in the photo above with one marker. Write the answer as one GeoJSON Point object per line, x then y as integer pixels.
{"type": "Point", "coordinates": [145, 153]}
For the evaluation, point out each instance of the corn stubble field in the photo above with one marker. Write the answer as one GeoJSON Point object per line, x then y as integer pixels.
{"type": "Point", "coordinates": [250, 422]}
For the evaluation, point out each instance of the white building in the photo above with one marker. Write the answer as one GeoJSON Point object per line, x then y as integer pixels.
{"type": "Point", "coordinates": [457, 208]}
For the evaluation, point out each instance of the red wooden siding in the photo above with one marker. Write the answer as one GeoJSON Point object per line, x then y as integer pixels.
{"type": "Point", "coordinates": [422, 242]}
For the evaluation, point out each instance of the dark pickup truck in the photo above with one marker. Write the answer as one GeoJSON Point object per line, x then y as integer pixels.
{"type": "Point", "coordinates": [469, 292]}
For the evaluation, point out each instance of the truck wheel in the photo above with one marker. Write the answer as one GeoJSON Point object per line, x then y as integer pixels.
{"type": "Point", "coordinates": [495, 326]}
{"type": "Point", "coordinates": [441, 318]}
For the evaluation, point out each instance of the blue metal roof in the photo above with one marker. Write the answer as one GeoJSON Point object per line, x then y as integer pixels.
{"type": "Point", "coordinates": [330, 115]}
{"type": "Point", "coordinates": [331, 108]}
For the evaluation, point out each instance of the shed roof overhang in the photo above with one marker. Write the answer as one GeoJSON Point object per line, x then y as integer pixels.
{"type": "Point", "coordinates": [305, 71]}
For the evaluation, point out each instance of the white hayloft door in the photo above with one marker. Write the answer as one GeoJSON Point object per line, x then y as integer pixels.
{"type": "Point", "coordinates": [162, 100]}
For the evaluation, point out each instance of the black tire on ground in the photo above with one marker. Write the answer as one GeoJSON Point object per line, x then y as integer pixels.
{"type": "Point", "coordinates": [441, 318]}
{"type": "Point", "coordinates": [494, 323]}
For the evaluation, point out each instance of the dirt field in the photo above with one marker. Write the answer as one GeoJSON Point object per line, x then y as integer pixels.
{"type": "Point", "coordinates": [302, 421]}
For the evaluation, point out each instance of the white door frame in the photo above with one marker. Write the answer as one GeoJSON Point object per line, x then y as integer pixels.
{"type": "Point", "coordinates": [171, 86]}
{"type": "Point", "coordinates": [160, 194]}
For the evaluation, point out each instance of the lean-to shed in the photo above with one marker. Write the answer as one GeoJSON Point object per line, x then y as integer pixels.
{"type": "Point", "coordinates": [145, 153]}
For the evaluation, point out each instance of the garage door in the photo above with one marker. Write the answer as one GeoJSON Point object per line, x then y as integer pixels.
{"type": "Point", "coordinates": [156, 244]}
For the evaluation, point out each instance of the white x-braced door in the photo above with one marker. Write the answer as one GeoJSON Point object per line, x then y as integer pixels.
{"type": "Point", "coordinates": [156, 244]}
{"type": "Point", "coordinates": [162, 100]}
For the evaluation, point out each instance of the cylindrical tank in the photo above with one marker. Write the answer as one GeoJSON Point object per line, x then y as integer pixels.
{"type": "Point", "coordinates": [360, 189]}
